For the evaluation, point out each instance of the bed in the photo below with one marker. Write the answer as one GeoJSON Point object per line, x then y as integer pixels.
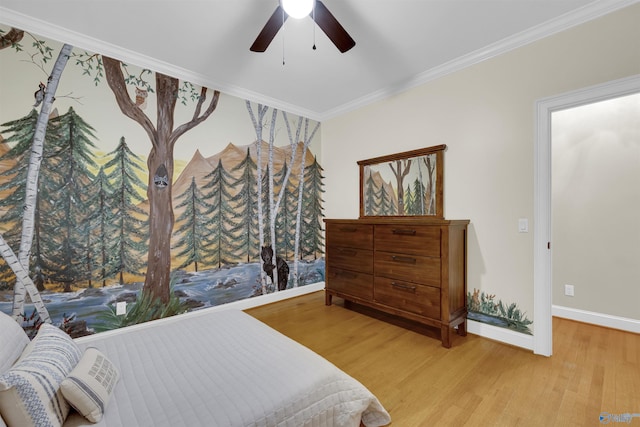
{"type": "Point", "coordinates": [208, 368]}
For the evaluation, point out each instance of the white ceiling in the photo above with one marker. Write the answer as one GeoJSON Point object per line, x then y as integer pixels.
{"type": "Point", "coordinates": [399, 43]}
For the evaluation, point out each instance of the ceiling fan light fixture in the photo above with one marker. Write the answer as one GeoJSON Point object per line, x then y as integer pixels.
{"type": "Point", "coordinates": [297, 9]}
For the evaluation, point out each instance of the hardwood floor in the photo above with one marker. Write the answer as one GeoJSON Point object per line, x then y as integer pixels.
{"type": "Point", "coordinates": [478, 382]}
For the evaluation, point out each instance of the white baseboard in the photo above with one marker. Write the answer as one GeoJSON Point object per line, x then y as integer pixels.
{"type": "Point", "coordinates": [504, 335]}
{"type": "Point", "coordinates": [247, 303]}
{"type": "Point", "coordinates": [600, 319]}
{"type": "Point", "coordinates": [236, 305]}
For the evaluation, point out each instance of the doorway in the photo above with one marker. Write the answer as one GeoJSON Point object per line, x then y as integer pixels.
{"type": "Point", "coordinates": [543, 245]}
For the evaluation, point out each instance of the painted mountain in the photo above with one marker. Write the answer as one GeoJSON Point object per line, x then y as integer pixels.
{"type": "Point", "coordinates": [230, 157]}
{"type": "Point", "coordinates": [379, 184]}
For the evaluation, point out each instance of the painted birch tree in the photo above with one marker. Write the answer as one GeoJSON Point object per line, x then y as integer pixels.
{"type": "Point", "coordinates": [274, 204]}
{"type": "Point", "coordinates": [308, 137]}
{"type": "Point", "coordinates": [20, 264]}
{"type": "Point", "coordinates": [259, 126]}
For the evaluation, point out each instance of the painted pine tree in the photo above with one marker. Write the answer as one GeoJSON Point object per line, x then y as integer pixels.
{"type": "Point", "coordinates": [419, 195]}
{"type": "Point", "coordinates": [192, 227]}
{"type": "Point", "coordinates": [20, 133]}
{"type": "Point", "coordinates": [430, 193]}
{"type": "Point", "coordinates": [219, 215]}
{"type": "Point", "coordinates": [129, 239]}
{"type": "Point", "coordinates": [409, 201]}
{"type": "Point", "coordinates": [101, 229]}
{"type": "Point", "coordinates": [68, 176]}
{"type": "Point", "coordinates": [245, 203]}
{"type": "Point", "coordinates": [385, 202]}
{"type": "Point", "coordinates": [371, 189]}
{"type": "Point", "coordinates": [312, 234]}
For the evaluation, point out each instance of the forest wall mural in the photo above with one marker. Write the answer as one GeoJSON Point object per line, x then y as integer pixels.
{"type": "Point", "coordinates": [120, 184]}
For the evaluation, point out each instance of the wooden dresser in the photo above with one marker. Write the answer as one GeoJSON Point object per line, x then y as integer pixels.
{"type": "Point", "coordinates": [414, 268]}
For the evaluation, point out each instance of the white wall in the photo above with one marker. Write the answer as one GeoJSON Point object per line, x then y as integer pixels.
{"type": "Point", "coordinates": [485, 115]}
{"type": "Point", "coordinates": [596, 206]}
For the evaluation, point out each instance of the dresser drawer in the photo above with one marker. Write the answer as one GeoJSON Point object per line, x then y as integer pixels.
{"type": "Point", "coordinates": [351, 258]}
{"type": "Point", "coordinates": [411, 268]}
{"type": "Point", "coordinates": [350, 282]}
{"type": "Point", "coordinates": [350, 235]}
{"type": "Point", "coordinates": [409, 239]}
{"type": "Point", "coordinates": [418, 299]}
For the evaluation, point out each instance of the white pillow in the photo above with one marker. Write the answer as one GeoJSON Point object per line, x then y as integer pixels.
{"type": "Point", "coordinates": [89, 386]}
{"type": "Point", "coordinates": [13, 339]}
{"type": "Point", "coordinates": [30, 391]}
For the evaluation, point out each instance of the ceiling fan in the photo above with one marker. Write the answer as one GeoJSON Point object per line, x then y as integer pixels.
{"type": "Point", "coordinates": [319, 13]}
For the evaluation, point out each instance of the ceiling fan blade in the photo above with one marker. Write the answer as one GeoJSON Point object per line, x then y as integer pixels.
{"type": "Point", "coordinates": [332, 28]}
{"type": "Point", "coordinates": [269, 31]}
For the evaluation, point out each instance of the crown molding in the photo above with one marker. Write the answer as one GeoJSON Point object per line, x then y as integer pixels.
{"type": "Point", "coordinates": [585, 14]}
{"type": "Point", "coordinates": [81, 41]}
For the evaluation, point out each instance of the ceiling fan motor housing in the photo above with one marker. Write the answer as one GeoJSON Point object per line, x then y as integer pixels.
{"type": "Point", "coordinates": [297, 9]}
{"type": "Point", "coordinates": [322, 17]}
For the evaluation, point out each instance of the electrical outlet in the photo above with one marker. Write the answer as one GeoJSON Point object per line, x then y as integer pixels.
{"type": "Point", "coordinates": [568, 290]}
{"type": "Point", "coordinates": [121, 308]}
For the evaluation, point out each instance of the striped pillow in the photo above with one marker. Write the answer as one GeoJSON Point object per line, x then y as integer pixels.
{"type": "Point", "coordinates": [30, 391]}
{"type": "Point", "coordinates": [90, 385]}
{"type": "Point", "coordinates": [13, 339]}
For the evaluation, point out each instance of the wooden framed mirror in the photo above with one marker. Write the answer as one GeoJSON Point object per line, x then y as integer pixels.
{"type": "Point", "coordinates": [403, 184]}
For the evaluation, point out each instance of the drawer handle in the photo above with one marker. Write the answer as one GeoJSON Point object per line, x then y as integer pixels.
{"type": "Point", "coordinates": [405, 259]}
{"type": "Point", "coordinates": [348, 229]}
{"type": "Point", "coordinates": [404, 232]}
{"type": "Point", "coordinates": [348, 252]}
{"type": "Point", "coordinates": [404, 287]}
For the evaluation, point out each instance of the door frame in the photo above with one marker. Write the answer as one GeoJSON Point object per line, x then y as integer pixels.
{"type": "Point", "coordinates": [542, 239]}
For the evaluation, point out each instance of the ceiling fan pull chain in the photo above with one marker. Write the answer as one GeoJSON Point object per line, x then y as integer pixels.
{"type": "Point", "coordinates": [283, 32]}
{"type": "Point", "coordinates": [313, 11]}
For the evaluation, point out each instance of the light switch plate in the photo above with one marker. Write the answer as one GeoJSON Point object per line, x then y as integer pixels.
{"type": "Point", "coordinates": [569, 290]}
{"type": "Point", "coordinates": [523, 225]}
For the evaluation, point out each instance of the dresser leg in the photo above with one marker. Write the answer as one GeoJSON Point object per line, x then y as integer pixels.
{"type": "Point", "coordinates": [445, 336]}
{"type": "Point", "coordinates": [462, 328]}
{"type": "Point", "coordinates": [327, 298]}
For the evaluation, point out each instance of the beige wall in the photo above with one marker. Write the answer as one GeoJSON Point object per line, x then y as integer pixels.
{"type": "Point", "coordinates": [485, 115]}
{"type": "Point", "coordinates": [596, 206]}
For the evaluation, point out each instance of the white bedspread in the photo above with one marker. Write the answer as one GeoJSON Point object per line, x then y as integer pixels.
{"type": "Point", "coordinates": [225, 368]}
